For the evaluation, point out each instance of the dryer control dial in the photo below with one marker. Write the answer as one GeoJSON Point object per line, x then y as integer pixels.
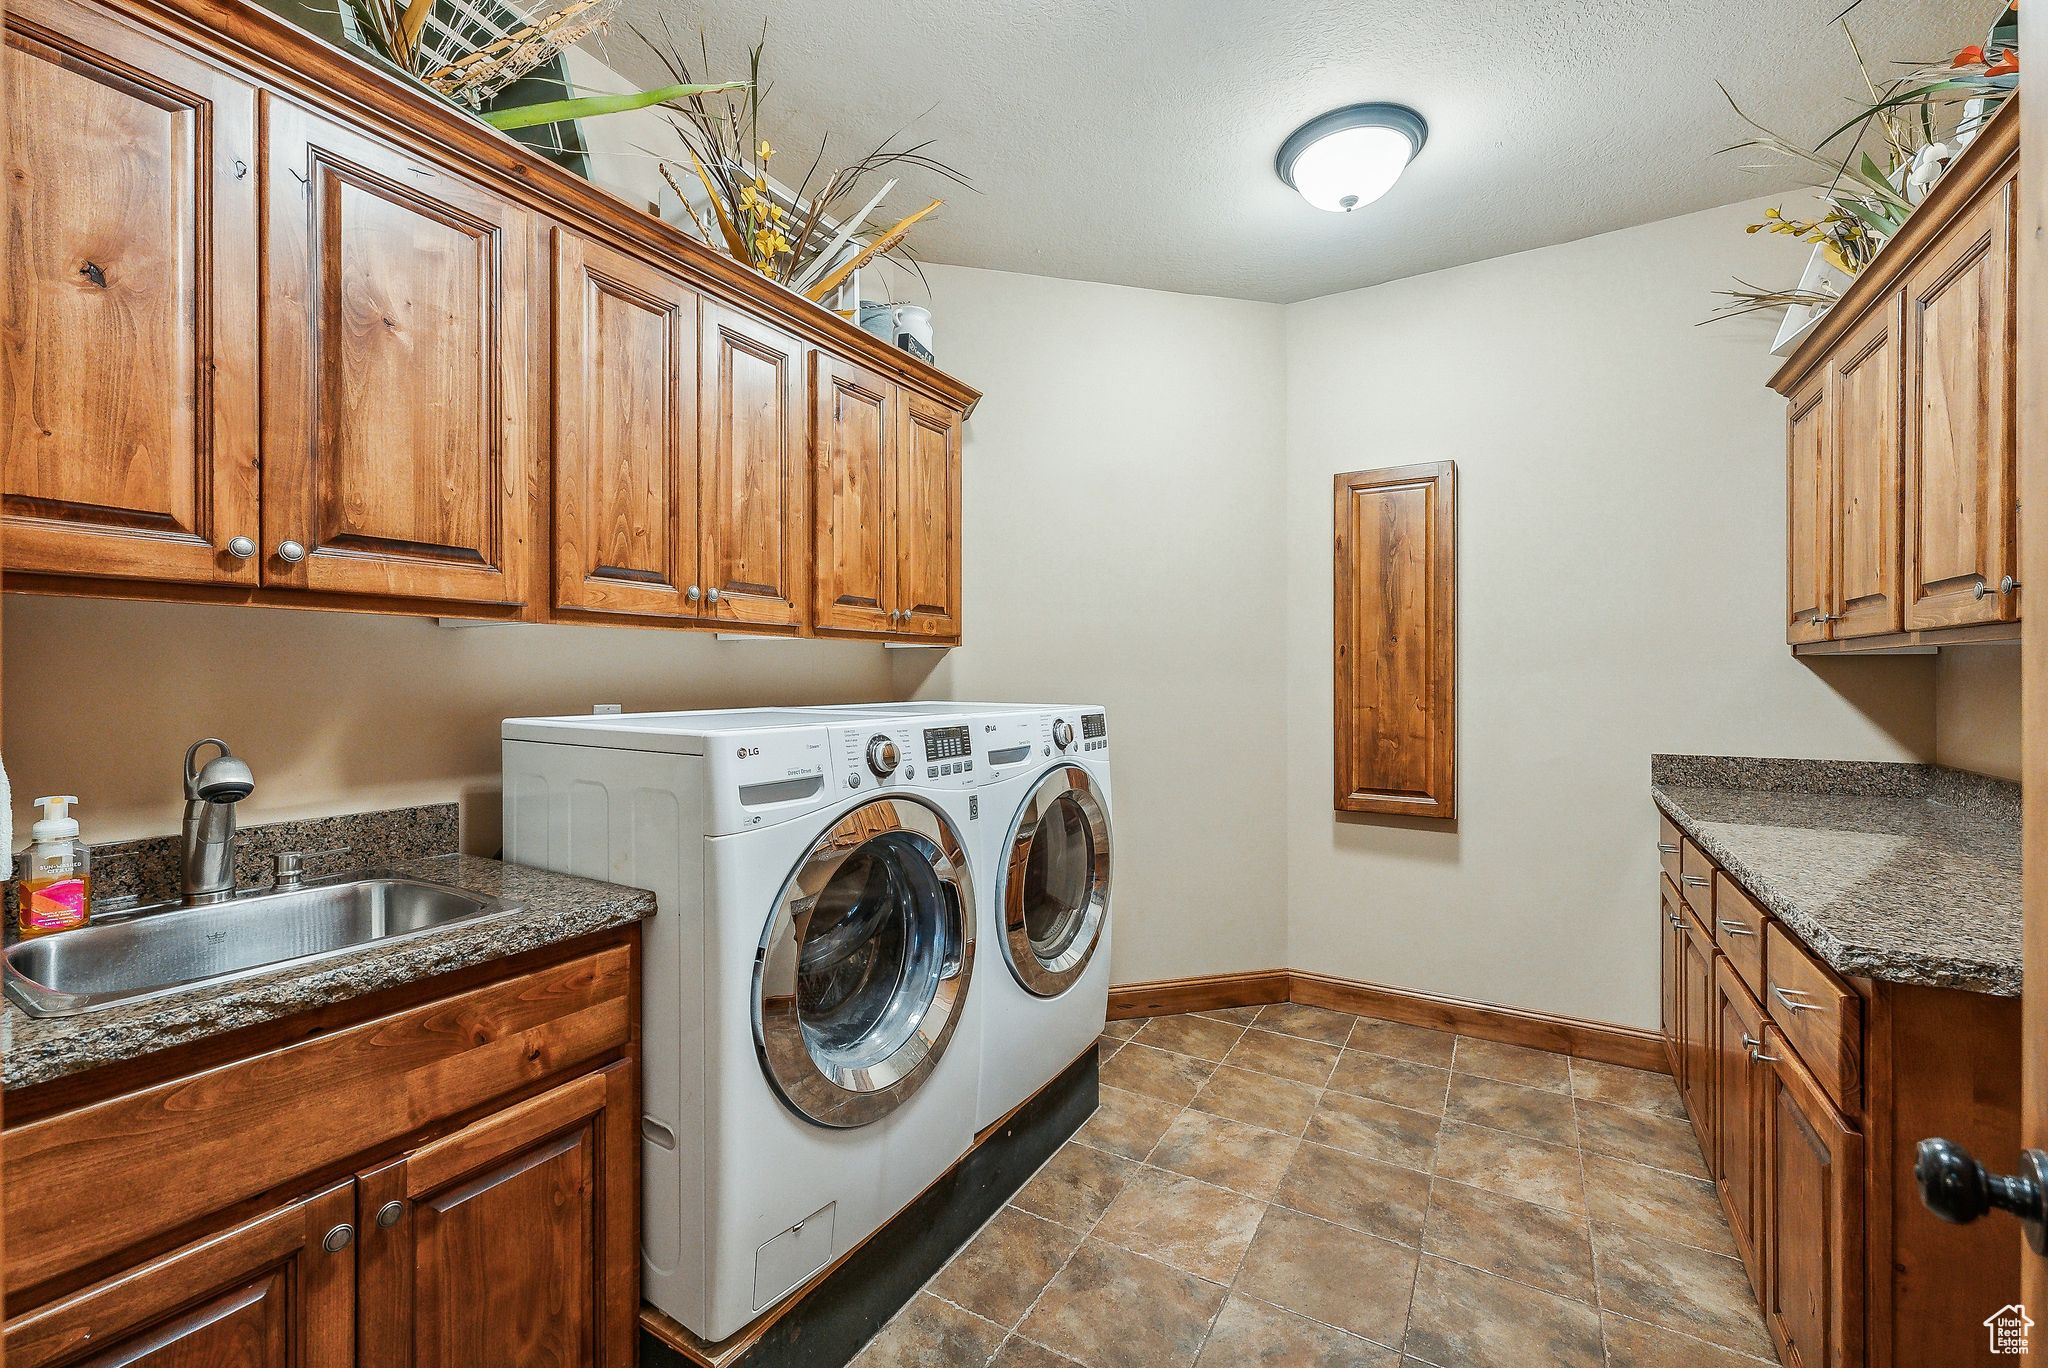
{"type": "Point", "coordinates": [1062, 733]}
{"type": "Point", "coordinates": [883, 757]}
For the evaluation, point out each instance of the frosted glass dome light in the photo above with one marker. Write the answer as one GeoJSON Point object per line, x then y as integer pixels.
{"type": "Point", "coordinates": [1351, 156]}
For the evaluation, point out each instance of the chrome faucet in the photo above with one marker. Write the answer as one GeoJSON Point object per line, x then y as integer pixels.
{"type": "Point", "coordinates": [211, 792]}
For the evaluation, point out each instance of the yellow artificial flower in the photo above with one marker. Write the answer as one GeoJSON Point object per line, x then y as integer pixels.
{"type": "Point", "coordinates": [766, 150]}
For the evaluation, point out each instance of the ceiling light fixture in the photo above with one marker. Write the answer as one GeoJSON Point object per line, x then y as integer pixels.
{"type": "Point", "coordinates": [1351, 156]}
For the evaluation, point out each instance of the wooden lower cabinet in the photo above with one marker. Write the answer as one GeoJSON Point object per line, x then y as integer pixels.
{"type": "Point", "coordinates": [1812, 1232]}
{"type": "Point", "coordinates": [1808, 1093]}
{"type": "Point", "coordinates": [277, 1289]}
{"type": "Point", "coordinates": [501, 1233]}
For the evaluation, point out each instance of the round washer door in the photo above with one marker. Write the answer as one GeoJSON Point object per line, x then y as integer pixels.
{"type": "Point", "coordinates": [1055, 882]}
{"type": "Point", "coordinates": [862, 974]}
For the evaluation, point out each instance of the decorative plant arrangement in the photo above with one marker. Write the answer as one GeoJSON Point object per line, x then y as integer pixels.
{"type": "Point", "coordinates": [459, 57]}
{"type": "Point", "coordinates": [802, 236]}
{"type": "Point", "coordinates": [1876, 168]}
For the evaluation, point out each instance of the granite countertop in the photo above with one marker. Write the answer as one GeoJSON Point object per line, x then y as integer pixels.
{"type": "Point", "coordinates": [1899, 873]}
{"type": "Point", "coordinates": [551, 908]}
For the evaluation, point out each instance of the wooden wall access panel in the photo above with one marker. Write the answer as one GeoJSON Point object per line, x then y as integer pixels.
{"type": "Point", "coordinates": [625, 434]}
{"type": "Point", "coordinates": [1396, 640]}
{"type": "Point", "coordinates": [128, 309]}
{"type": "Point", "coordinates": [1864, 478]}
{"type": "Point", "coordinates": [1961, 502]}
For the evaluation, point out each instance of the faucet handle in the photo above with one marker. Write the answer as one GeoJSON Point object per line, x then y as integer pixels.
{"type": "Point", "coordinates": [288, 866]}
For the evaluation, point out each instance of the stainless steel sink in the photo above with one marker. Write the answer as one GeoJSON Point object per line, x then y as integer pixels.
{"type": "Point", "coordinates": [148, 951]}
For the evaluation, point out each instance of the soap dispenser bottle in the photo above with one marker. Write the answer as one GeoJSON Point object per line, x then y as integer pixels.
{"type": "Point", "coordinates": [56, 884]}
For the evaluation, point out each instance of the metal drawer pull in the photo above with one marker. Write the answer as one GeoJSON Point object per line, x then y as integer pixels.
{"type": "Point", "coordinates": [1667, 848]}
{"type": "Point", "coordinates": [1750, 1042]}
{"type": "Point", "coordinates": [1979, 589]}
{"type": "Point", "coordinates": [1735, 928]}
{"type": "Point", "coordinates": [1757, 1056]}
{"type": "Point", "coordinates": [1785, 996]}
{"type": "Point", "coordinates": [2007, 585]}
{"type": "Point", "coordinates": [1675, 922]}
{"type": "Point", "coordinates": [1693, 880]}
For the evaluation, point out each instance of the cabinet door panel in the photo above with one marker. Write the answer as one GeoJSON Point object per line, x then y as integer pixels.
{"type": "Point", "coordinates": [928, 518]}
{"type": "Point", "coordinates": [264, 1294]}
{"type": "Point", "coordinates": [853, 429]}
{"type": "Point", "coordinates": [1807, 543]}
{"type": "Point", "coordinates": [752, 485]}
{"type": "Point", "coordinates": [129, 304]}
{"type": "Point", "coordinates": [399, 444]}
{"type": "Point", "coordinates": [1863, 407]}
{"type": "Point", "coordinates": [511, 1241]}
{"type": "Point", "coordinates": [1738, 1119]}
{"type": "Point", "coordinates": [1813, 1220]}
{"type": "Point", "coordinates": [1696, 1012]}
{"type": "Point", "coordinates": [625, 434]}
{"type": "Point", "coordinates": [1960, 477]}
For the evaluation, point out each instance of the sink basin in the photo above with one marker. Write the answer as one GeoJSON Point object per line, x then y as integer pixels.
{"type": "Point", "coordinates": [145, 952]}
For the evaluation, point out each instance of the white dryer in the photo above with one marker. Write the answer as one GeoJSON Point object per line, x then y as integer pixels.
{"type": "Point", "coordinates": [810, 1058]}
{"type": "Point", "coordinates": [1042, 774]}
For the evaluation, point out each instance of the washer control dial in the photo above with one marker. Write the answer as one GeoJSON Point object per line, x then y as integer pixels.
{"type": "Point", "coordinates": [883, 757]}
{"type": "Point", "coordinates": [1062, 733]}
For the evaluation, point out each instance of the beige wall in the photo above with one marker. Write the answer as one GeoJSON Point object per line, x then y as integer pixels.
{"type": "Point", "coordinates": [340, 712]}
{"type": "Point", "coordinates": [1621, 481]}
{"type": "Point", "coordinates": [1977, 709]}
{"type": "Point", "coordinates": [1123, 517]}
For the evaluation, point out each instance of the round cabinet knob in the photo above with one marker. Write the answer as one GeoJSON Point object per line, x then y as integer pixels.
{"type": "Point", "coordinates": [290, 552]}
{"type": "Point", "coordinates": [883, 757]}
{"type": "Point", "coordinates": [390, 1214]}
{"type": "Point", "coordinates": [338, 1238]}
{"type": "Point", "coordinates": [711, 596]}
{"type": "Point", "coordinates": [241, 548]}
{"type": "Point", "coordinates": [1958, 1189]}
{"type": "Point", "coordinates": [1062, 733]}
{"type": "Point", "coordinates": [692, 594]}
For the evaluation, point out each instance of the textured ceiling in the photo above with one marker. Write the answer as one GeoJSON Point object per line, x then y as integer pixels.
{"type": "Point", "coordinates": [1132, 141]}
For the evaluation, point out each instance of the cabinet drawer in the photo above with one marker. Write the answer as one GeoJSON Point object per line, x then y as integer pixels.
{"type": "Point", "coordinates": [1739, 930]}
{"type": "Point", "coordinates": [247, 1127]}
{"type": "Point", "coordinates": [1667, 846]}
{"type": "Point", "coordinates": [1696, 881]}
{"type": "Point", "coordinates": [1818, 1013]}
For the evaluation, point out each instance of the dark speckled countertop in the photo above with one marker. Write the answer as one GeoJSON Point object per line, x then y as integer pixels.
{"type": "Point", "coordinates": [1900, 873]}
{"type": "Point", "coordinates": [549, 908]}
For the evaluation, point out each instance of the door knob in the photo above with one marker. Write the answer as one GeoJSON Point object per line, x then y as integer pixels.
{"type": "Point", "coordinates": [1958, 1189]}
{"type": "Point", "coordinates": [290, 552]}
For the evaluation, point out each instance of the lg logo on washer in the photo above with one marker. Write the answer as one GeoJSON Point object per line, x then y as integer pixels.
{"type": "Point", "coordinates": [748, 751]}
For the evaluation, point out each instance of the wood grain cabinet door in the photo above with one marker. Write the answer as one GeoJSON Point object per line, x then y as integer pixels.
{"type": "Point", "coordinates": [268, 1293]}
{"type": "Point", "coordinates": [853, 474]}
{"type": "Point", "coordinates": [512, 1241]}
{"type": "Point", "coordinates": [1696, 1012]}
{"type": "Point", "coordinates": [128, 308]}
{"type": "Point", "coordinates": [927, 518]}
{"type": "Point", "coordinates": [1671, 932]}
{"type": "Point", "coordinates": [625, 537]}
{"type": "Point", "coordinates": [1960, 491]}
{"type": "Point", "coordinates": [1738, 1114]}
{"type": "Point", "coordinates": [751, 488]}
{"type": "Point", "coordinates": [400, 444]}
{"type": "Point", "coordinates": [1812, 1229]}
{"type": "Point", "coordinates": [1809, 545]}
{"type": "Point", "coordinates": [1864, 475]}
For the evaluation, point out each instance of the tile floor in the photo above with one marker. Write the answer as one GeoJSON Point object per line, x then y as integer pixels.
{"type": "Point", "coordinates": [1292, 1186]}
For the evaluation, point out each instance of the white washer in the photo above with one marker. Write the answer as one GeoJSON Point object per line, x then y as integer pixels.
{"type": "Point", "coordinates": [1046, 830]}
{"type": "Point", "coordinates": [810, 1053]}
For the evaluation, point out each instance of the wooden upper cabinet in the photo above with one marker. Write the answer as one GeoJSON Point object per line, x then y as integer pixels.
{"type": "Point", "coordinates": [1864, 476]}
{"type": "Point", "coordinates": [752, 482]}
{"type": "Point", "coordinates": [1809, 543]}
{"type": "Point", "coordinates": [128, 306]}
{"type": "Point", "coordinates": [1812, 1229]}
{"type": "Point", "coordinates": [400, 441]}
{"type": "Point", "coordinates": [928, 518]}
{"type": "Point", "coordinates": [513, 1241]}
{"type": "Point", "coordinates": [853, 460]}
{"type": "Point", "coordinates": [625, 434]}
{"type": "Point", "coordinates": [262, 1294]}
{"type": "Point", "coordinates": [1961, 496]}
{"type": "Point", "coordinates": [1395, 651]}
